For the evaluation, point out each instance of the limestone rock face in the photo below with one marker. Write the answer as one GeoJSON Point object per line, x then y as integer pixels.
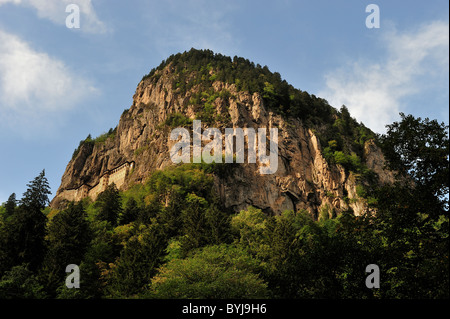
{"type": "Point", "coordinates": [141, 144]}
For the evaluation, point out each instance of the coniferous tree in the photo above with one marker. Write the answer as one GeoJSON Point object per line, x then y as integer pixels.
{"type": "Point", "coordinates": [36, 196]}
{"type": "Point", "coordinates": [130, 213]}
{"type": "Point", "coordinates": [26, 229]}
{"type": "Point", "coordinates": [194, 223]}
{"type": "Point", "coordinates": [10, 205]}
{"type": "Point", "coordinates": [68, 238]}
{"type": "Point", "coordinates": [138, 261]}
{"type": "Point", "coordinates": [109, 204]}
{"type": "Point", "coordinates": [218, 225]}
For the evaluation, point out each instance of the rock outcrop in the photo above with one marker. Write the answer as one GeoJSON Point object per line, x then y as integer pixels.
{"type": "Point", "coordinates": [304, 179]}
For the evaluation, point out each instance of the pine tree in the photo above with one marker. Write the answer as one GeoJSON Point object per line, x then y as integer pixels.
{"type": "Point", "coordinates": [138, 261]}
{"type": "Point", "coordinates": [130, 213]}
{"type": "Point", "coordinates": [218, 225]}
{"type": "Point", "coordinates": [26, 229]}
{"type": "Point", "coordinates": [36, 196]}
{"type": "Point", "coordinates": [110, 204]}
{"type": "Point", "coordinates": [194, 223]}
{"type": "Point", "coordinates": [68, 238]}
{"type": "Point", "coordinates": [10, 205]}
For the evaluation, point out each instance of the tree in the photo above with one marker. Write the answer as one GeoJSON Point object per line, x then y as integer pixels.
{"type": "Point", "coordinates": [249, 228]}
{"type": "Point", "coordinates": [218, 225]}
{"type": "Point", "coordinates": [10, 205]}
{"type": "Point", "coordinates": [345, 122]}
{"type": "Point", "coordinates": [170, 215]}
{"type": "Point", "coordinates": [304, 258]}
{"type": "Point", "coordinates": [20, 283]}
{"type": "Point", "coordinates": [194, 222]}
{"type": "Point", "coordinates": [36, 196]}
{"type": "Point", "coordinates": [412, 214]}
{"type": "Point", "coordinates": [130, 213]}
{"type": "Point", "coordinates": [68, 238]}
{"type": "Point", "coordinates": [419, 149]}
{"type": "Point", "coordinates": [213, 272]}
{"type": "Point", "coordinates": [25, 230]}
{"type": "Point", "coordinates": [109, 204]}
{"type": "Point", "coordinates": [138, 261]}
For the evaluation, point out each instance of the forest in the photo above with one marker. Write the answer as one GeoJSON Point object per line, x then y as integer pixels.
{"type": "Point", "coordinates": [171, 237]}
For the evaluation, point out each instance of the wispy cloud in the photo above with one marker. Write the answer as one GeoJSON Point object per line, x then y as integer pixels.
{"type": "Point", "coordinates": [55, 11]}
{"type": "Point", "coordinates": [35, 87]}
{"type": "Point", "coordinates": [374, 91]}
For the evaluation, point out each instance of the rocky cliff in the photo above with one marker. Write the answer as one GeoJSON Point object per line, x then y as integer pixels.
{"type": "Point", "coordinates": [140, 145]}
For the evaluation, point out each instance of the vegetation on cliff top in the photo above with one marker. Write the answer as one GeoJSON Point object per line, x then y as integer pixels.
{"type": "Point", "coordinates": [341, 136]}
{"type": "Point", "coordinates": [91, 142]}
{"type": "Point", "coordinates": [200, 68]}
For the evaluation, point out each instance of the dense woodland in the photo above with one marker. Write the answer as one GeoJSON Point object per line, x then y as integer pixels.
{"type": "Point", "coordinates": [172, 238]}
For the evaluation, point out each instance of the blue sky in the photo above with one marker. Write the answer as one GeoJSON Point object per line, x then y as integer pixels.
{"type": "Point", "coordinates": [57, 85]}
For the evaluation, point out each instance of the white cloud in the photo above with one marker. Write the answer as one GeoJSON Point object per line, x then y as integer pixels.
{"type": "Point", "coordinates": [10, 1]}
{"type": "Point", "coordinates": [55, 11]}
{"type": "Point", "coordinates": [35, 87]}
{"type": "Point", "coordinates": [373, 92]}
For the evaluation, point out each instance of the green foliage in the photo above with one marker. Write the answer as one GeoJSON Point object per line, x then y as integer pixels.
{"type": "Point", "coordinates": [67, 241]}
{"type": "Point", "coordinates": [20, 283]}
{"type": "Point", "coordinates": [10, 205]}
{"type": "Point", "coordinates": [361, 191]}
{"type": "Point", "coordinates": [130, 213]}
{"type": "Point", "coordinates": [200, 68]}
{"type": "Point", "coordinates": [304, 258]}
{"type": "Point", "coordinates": [248, 227]}
{"type": "Point", "coordinates": [109, 205]}
{"type": "Point", "coordinates": [214, 272]}
{"type": "Point", "coordinates": [344, 141]}
{"type": "Point", "coordinates": [326, 213]}
{"type": "Point", "coordinates": [105, 136]}
{"type": "Point", "coordinates": [139, 151]}
{"type": "Point", "coordinates": [177, 120]}
{"type": "Point", "coordinates": [36, 196]}
{"type": "Point", "coordinates": [22, 234]}
{"type": "Point", "coordinates": [89, 142]}
{"type": "Point", "coordinates": [413, 217]}
{"type": "Point", "coordinates": [202, 225]}
{"type": "Point", "coordinates": [137, 262]}
{"type": "Point", "coordinates": [419, 149]}
{"type": "Point", "coordinates": [182, 180]}
{"type": "Point", "coordinates": [194, 222]}
{"type": "Point", "coordinates": [205, 103]}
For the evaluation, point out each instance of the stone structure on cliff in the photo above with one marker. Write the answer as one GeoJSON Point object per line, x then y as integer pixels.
{"type": "Point", "coordinates": [141, 144]}
{"type": "Point", "coordinates": [115, 176]}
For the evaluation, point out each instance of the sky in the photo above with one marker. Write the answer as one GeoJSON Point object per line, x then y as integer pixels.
{"type": "Point", "coordinates": [59, 83]}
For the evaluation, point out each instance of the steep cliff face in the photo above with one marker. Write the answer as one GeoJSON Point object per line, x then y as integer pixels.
{"type": "Point", "coordinates": [140, 145]}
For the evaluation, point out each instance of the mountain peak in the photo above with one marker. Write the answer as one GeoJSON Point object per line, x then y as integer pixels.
{"type": "Point", "coordinates": [324, 155]}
